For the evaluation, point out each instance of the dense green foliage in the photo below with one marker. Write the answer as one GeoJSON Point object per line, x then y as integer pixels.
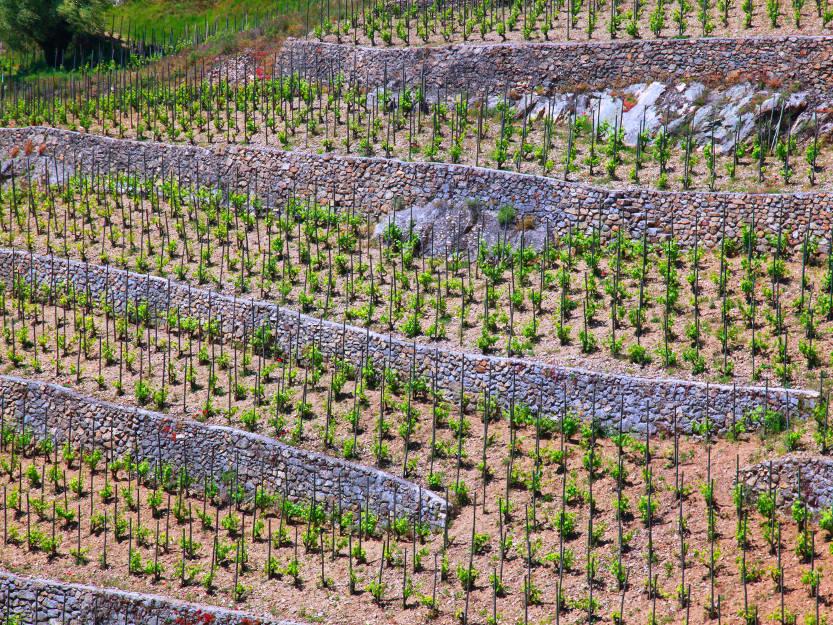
{"type": "Point", "coordinates": [49, 24]}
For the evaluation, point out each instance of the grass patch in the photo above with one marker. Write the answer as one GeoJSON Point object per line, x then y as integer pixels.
{"type": "Point", "coordinates": [162, 15]}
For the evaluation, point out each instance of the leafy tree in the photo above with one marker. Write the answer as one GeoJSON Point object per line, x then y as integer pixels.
{"type": "Point", "coordinates": [49, 24]}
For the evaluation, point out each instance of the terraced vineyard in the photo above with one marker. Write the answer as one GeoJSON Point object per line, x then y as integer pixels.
{"type": "Point", "coordinates": [438, 22]}
{"type": "Point", "coordinates": [475, 313]}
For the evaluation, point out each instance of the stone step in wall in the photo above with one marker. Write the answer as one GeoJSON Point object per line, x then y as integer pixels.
{"type": "Point", "coordinates": [795, 476]}
{"type": "Point", "coordinates": [644, 403]}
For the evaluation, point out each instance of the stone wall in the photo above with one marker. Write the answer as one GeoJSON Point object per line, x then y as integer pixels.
{"type": "Point", "coordinates": [51, 411]}
{"type": "Point", "coordinates": [374, 184]}
{"type": "Point", "coordinates": [39, 601]}
{"type": "Point", "coordinates": [522, 67]}
{"type": "Point", "coordinates": [644, 402]}
{"type": "Point", "coordinates": [811, 476]}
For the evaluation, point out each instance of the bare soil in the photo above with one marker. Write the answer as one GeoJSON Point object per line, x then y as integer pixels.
{"type": "Point", "coordinates": [309, 600]}
{"type": "Point", "coordinates": [550, 23]}
{"type": "Point", "coordinates": [436, 133]}
{"type": "Point", "coordinates": [573, 325]}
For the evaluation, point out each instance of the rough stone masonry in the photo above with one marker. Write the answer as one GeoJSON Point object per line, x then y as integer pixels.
{"type": "Point", "coordinates": [798, 476]}
{"type": "Point", "coordinates": [643, 403]}
{"type": "Point", "coordinates": [209, 451]}
{"type": "Point", "coordinates": [376, 184]}
{"type": "Point", "coordinates": [37, 601]}
{"type": "Point", "coordinates": [548, 67]}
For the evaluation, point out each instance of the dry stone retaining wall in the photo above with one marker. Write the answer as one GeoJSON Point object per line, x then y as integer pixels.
{"type": "Point", "coordinates": [53, 411]}
{"type": "Point", "coordinates": [523, 67]}
{"type": "Point", "coordinates": [38, 601]}
{"type": "Point", "coordinates": [374, 184]}
{"type": "Point", "coordinates": [644, 402]}
{"type": "Point", "coordinates": [782, 476]}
